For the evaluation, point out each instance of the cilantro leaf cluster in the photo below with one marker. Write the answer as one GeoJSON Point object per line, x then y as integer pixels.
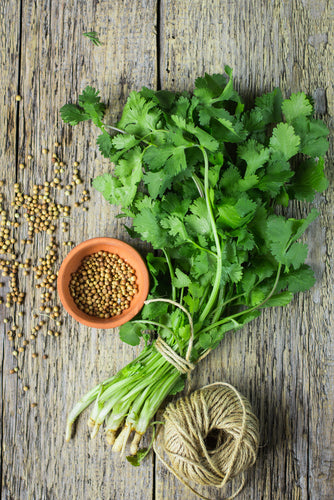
{"type": "Point", "coordinates": [202, 175]}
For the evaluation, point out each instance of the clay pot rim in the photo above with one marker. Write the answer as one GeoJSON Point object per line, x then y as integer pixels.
{"type": "Point", "coordinates": [73, 260]}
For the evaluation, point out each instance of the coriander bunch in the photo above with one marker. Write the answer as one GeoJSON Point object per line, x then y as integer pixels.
{"type": "Point", "coordinates": [201, 176]}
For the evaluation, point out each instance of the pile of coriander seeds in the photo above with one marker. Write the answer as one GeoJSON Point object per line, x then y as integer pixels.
{"type": "Point", "coordinates": [37, 213]}
{"type": "Point", "coordinates": [103, 285]}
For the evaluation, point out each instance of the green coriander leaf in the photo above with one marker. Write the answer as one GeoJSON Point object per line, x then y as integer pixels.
{"type": "Point", "coordinates": [236, 213]}
{"type": "Point", "coordinates": [199, 221]}
{"type": "Point", "coordinates": [93, 37]}
{"type": "Point", "coordinates": [156, 158]}
{"type": "Point", "coordinates": [277, 174]}
{"type": "Point", "coordinates": [107, 184]}
{"type": "Point", "coordinates": [298, 105]}
{"type": "Point", "coordinates": [172, 160]}
{"type": "Point", "coordinates": [299, 226]}
{"type": "Point", "coordinates": [130, 333]}
{"type": "Point", "coordinates": [230, 178]}
{"type": "Point", "coordinates": [194, 296]}
{"type": "Point", "coordinates": [137, 459]}
{"type": "Point", "coordinates": [270, 106]}
{"type": "Point", "coordinates": [205, 340]}
{"type": "Point", "coordinates": [178, 387]}
{"type": "Point", "coordinates": [157, 267]}
{"type": "Point", "coordinates": [124, 141]}
{"type": "Point", "coordinates": [72, 114]}
{"type": "Point", "coordinates": [235, 272]}
{"type": "Point", "coordinates": [181, 280]}
{"type": "Point", "coordinates": [247, 183]}
{"type": "Point", "coordinates": [211, 339]}
{"type": "Point", "coordinates": [154, 310]}
{"type": "Point", "coordinates": [308, 179]}
{"type": "Point", "coordinates": [89, 100]}
{"type": "Point", "coordinates": [147, 225]}
{"type": "Point", "coordinates": [280, 299]}
{"type": "Point", "coordinates": [295, 255]}
{"type": "Point", "coordinates": [313, 134]}
{"type": "Point", "coordinates": [157, 183]}
{"type": "Point", "coordinates": [298, 280]}
{"type": "Point", "coordinates": [182, 106]}
{"type": "Point", "coordinates": [105, 143]}
{"type": "Point", "coordinates": [248, 280]}
{"type": "Point", "coordinates": [204, 138]}
{"type": "Point", "coordinates": [140, 117]}
{"type": "Point", "coordinates": [174, 205]}
{"type": "Point", "coordinates": [284, 140]}
{"type": "Point", "coordinates": [176, 228]}
{"type": "Point", "coordinates": [256, 297]}
{"type": "Point", "coordinates": [164, 98]}
{"type": "Point", "coordinates": [254, 154]}
{"type": "Point", "coordinates": [121, 188]}
{"type": "Point", "coordinates": [245, 239]}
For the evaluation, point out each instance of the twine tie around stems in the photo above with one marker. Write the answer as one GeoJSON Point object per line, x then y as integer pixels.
{"type": "Point", "coordinates": [217, 411]}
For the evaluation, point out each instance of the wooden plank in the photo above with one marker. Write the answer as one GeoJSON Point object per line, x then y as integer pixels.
{"type": "Point", "coordinates": [283, 361]}
{"type": "Point", "coordinates": [9, 64]}
{"type": "Point", "coordinates": [58, 62]}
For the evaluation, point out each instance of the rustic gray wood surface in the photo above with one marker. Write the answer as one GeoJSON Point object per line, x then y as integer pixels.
{"type": "Point", "coordinates": [283, 362]}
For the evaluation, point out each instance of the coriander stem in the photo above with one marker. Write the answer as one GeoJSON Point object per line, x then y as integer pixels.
{"type": "Point", "coordinates": [201, 248]}
{"type": "Point", "coordinates": [198, 185]}
{"type": "Point", "coordinates": [250, 309]}
{"type": "Point", "coordinates": [160, 325]}
{"type": "Point", "coordinates": [114, 128]}
{"type": "Point", "coordinates": [171, 272]}
{"type": "Point", "coordinates": [216, 284]}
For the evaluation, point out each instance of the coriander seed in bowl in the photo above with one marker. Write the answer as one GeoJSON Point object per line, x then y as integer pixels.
{"type": "Point", "coordinates": [103, 282]}
{"type": "Point", "coordinates": [103, 285]}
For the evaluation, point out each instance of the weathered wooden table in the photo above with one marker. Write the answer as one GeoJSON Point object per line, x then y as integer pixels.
{"type": "Point", "coordinates": [283, 362]}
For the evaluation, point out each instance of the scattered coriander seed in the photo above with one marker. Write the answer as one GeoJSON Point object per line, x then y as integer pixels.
{"type": "Point", "coordinates": [14, 353]}
{"type": "Point", "coordinates": [26, 388]}
{"type": "Point", "coordinates": [22, 166]}
{"type": "Point", "coordinates": [30, 157]}
{"type": "Point", "coordinates": [12, 371]}
{"type": "Point", "coordinates": [45, 151]}
{"type": "Point", "coordinates": [45, 356]}
{"type": "Point", "coordinates": [34, 355]}
{"type": "Point", "coordinates": [33, 405]}
{"type": "Point", "coordinates": [18, 98]}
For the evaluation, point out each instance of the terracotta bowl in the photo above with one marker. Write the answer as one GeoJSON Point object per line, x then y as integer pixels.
{"type": "Point", "coordinates": [72, 262]}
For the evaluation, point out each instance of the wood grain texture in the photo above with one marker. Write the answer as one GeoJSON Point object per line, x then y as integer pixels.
{"type": "Point", "coordinates": [57, 62]}
{"type": "Point", "coordinates": [9, 63]}
{"type": "Point", "coordinates": [283, 362]}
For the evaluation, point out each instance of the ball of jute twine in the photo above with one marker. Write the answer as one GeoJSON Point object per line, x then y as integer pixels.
{"type": "Point", "coordinates": [216, 413]}
{"type": "Point", "coordinates": [210, 436]}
